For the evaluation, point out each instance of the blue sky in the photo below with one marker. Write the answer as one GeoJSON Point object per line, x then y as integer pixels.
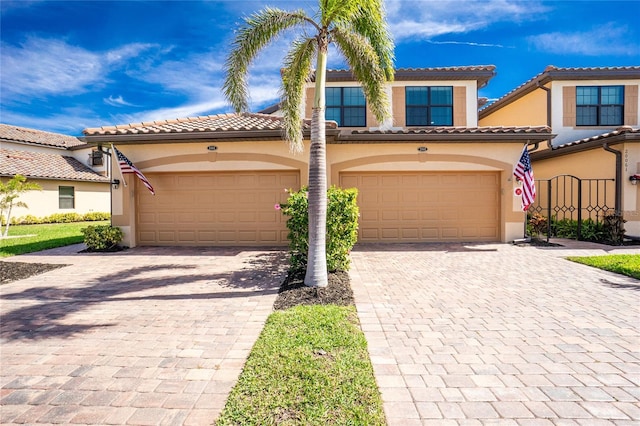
{"type": "Point", "coordinates": [69, 65]}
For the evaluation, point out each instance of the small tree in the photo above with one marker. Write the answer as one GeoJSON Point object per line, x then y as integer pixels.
{"type": "Point", "coordinates": [9, 194]}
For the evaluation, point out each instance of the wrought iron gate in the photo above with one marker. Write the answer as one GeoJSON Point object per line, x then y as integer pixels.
{"type": "Point", "coordinates": [572, 198]}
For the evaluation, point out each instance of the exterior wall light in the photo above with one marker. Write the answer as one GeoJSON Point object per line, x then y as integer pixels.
{"type": "Point", "coordinates": [422, 149]}
{"type": "Point", "coordinates": [115, 183]}
{"type": "Point", "coordinates": [634, 179]}
{"type": "Point", "coordinates": [212, 148]}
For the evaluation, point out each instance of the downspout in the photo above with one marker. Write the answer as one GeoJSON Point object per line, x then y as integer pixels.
{"type": "Point", "coordinates": [546, 89]}
{"type": "Point", "coordinates": [618, 155]}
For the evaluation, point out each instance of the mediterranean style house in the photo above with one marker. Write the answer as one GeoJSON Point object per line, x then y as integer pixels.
{"type": "Point", "coordinates": [595, 115]}
{"type": "Point", "coordinates": [72, 177]}
{"type": "Point", "coordinates": [433, 174]}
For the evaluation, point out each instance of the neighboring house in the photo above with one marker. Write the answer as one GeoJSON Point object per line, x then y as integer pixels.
{"type": "Point", "coordinates": [72, 177]}
{"type": "Point", "coordinates": [595, 113]}
{"type": "Point", "coordinates": [431, 175]}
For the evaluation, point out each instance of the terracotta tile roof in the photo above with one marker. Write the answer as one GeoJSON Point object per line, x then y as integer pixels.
{"type": "Point", "coordinates": [620, 135]}
{"type": "Point", "coordinates": [480, 73]}
{"type": "Point", "coordinates": [211, 123]}
{"type": "Point", "coordinates": [624, 130]}
{"type": "Point", "coordinates": [556, 73]}
{"type": "Point", "coordinates": [458, 130]}
{"type": "Point", "coordinates": [45, 166]}
{"type": "Point", "coordinates": [446, 134]}
{"type": "Point", "coordinates": [37, 137]}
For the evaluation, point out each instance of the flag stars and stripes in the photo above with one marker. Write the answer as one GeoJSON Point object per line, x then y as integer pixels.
{"type": "Point", "coordinates": [524, 173]}
{"type": "Point", "coordinates": [126, 166]}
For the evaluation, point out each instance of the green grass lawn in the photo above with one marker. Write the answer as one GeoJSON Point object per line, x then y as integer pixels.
{"type": "Point", "coordinates": [626, 264]}
{"type": "Point", "coordinates": [309, 366]}
{"type": "Point", "coordinates": [43, 237]}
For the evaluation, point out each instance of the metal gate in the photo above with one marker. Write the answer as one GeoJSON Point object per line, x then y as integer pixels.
{"type": "Point", "coordinates": [569, 197]}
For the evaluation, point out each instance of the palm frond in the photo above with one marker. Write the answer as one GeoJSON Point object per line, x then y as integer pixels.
{"type": "Point", "coordinates": [337, 11]}
{"type": "Point", "coordinates": [295, 73]}
{"type": "Point", "coordinates": [259, 30]}
{"type": "Point", "coordinates": [371, 23]}
{"type": "Point", "coordinates": [366, 68]}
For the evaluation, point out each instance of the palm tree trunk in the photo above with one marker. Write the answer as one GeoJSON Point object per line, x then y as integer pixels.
{"type": "Point", "coordinates": [316, 275]}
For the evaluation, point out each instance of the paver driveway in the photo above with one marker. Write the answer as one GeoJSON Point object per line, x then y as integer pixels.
{"type": "Point", "coordinates": [498, 334]}
{"type": "Point", "coordinates": [146, 336]}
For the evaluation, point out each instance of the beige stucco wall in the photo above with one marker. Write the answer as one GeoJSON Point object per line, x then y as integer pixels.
{"type": "Point", "coordinates": [89, 197]}
{"type": "Point", "coordinates": [566, 133]}
{"type": "Point", "coordinates": [395, 92]}
{"type": "Point", "coordinates": [530, 110]}
{"type": "Point", "coordinates": [481, 156]}
{"type": "Point", "coordinates": [185, 157]}
{"type": "Point", "coordinates": [600, 164]}
{"type": "Point", "coordinates": [275, 155]}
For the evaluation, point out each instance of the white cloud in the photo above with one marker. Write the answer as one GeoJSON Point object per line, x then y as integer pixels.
{"type": "Point", "coordinates": [607, 39]}
{"type": "Point", "coordinates": [40, 67]}
{"type": "Point", "coordinates": [43, 67]}
{"type": "Point", "coordinates": [424, 20]}
{"type": "Point", "coordinates": [117, 101]}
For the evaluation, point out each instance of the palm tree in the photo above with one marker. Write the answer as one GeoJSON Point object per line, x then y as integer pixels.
{"type": "Point", "coordinates": [358, 29]}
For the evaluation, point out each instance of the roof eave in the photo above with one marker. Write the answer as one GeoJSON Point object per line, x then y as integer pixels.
{"type": "Point", "coordinates": [585, 146]}
{"type": "Point", "coordinates": [558, 75]}
{"type": "Point", "coordinates": [29, 176]}
{"type": "Point", "coordinates": [186, 137]}
{"type": "Point", "coordinates": [351, 138]}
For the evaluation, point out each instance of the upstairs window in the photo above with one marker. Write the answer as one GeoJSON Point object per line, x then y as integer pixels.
{"type": "Point", "coordinates": [346, 106]}
{"type": "Point", "coordinates": [599, 105]}
{"type": "Point", "coordinates": [66, 197]}
{"type": "Point", "coordinates": [429, 106]}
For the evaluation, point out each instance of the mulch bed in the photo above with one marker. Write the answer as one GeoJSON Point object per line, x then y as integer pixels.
{"type": "Point", "coordinates": [13, 271]}
{"type": "Point", "coordinates": [293, 292]}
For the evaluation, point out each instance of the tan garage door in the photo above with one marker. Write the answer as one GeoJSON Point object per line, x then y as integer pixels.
{"type": "Point", "coordinates": [426, 206]}
{"type": "Point", "coordinates": [234, 208]}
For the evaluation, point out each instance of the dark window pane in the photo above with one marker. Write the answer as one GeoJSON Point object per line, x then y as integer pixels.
{"type": "Point", "coordinates": [416, 116]}
{"type": "Point", "coordinates": [587, 95]}
{"type": "Point", "coordinates": [417, 95]}
{"type": "Point", "coordinates": [441, 116]}
{"type": "Point", "coordinates": [441, 96]}
{"type": "Point", "coordinates": [333, 96]}
{"type": "Point", "coordinates": [587, 116]}
{"type": "Point", "coordinates": [333, 113]}
{"type": "Point", "coordinates": [611, 116]}
{"type": "Point", "coordinates": [354, 117]}
{"type": "Point", "coordinates": [612, 95]}
{"type": "Point", "coordinates": [66, 197]}
{"type": "Point", "coordinates": [353, 96]}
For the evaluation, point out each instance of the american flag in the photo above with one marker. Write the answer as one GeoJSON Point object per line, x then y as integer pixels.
{"type": "Point", "coordinates": [524, 173]}
{"type": "Point", "coordinates": [126, 166]}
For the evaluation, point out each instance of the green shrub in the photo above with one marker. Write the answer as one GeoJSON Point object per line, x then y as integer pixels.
{"type": "Point", "coordinates": [95, 216]}
{"type": "Point", "coordinates": [102, 237]}
{"type": "Point", "coordinates": [58, 218]}
{"type": "Point", "coordinates": [590, 230]}
{"type": "Point", "coordinates": [342, 227]}
{"type": "Point", "coordinates": [64, 218]}
{"type": "Point", "coordinates": [29, 220]}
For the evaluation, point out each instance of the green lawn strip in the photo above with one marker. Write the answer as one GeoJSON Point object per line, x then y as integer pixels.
{"type": "Point", "coordinates": [626, 264]}
{"type": "Point", "coordinates": [309, 366]}
{"type": "Point", "coordinates": [45, 236]}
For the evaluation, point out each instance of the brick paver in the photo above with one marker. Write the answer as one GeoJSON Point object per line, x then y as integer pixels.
{"type": "Point", "coordinates": [147, 336]}
{"type": "Point", "coordinates": [499, 334]}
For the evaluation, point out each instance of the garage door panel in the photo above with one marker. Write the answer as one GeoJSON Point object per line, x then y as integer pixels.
{"type": "Point", "coordinates": [349, 182]}
{"type": "Point", "coordinates": [205, 208]}
{"type": "Point", "coordinates": [427, 206]}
